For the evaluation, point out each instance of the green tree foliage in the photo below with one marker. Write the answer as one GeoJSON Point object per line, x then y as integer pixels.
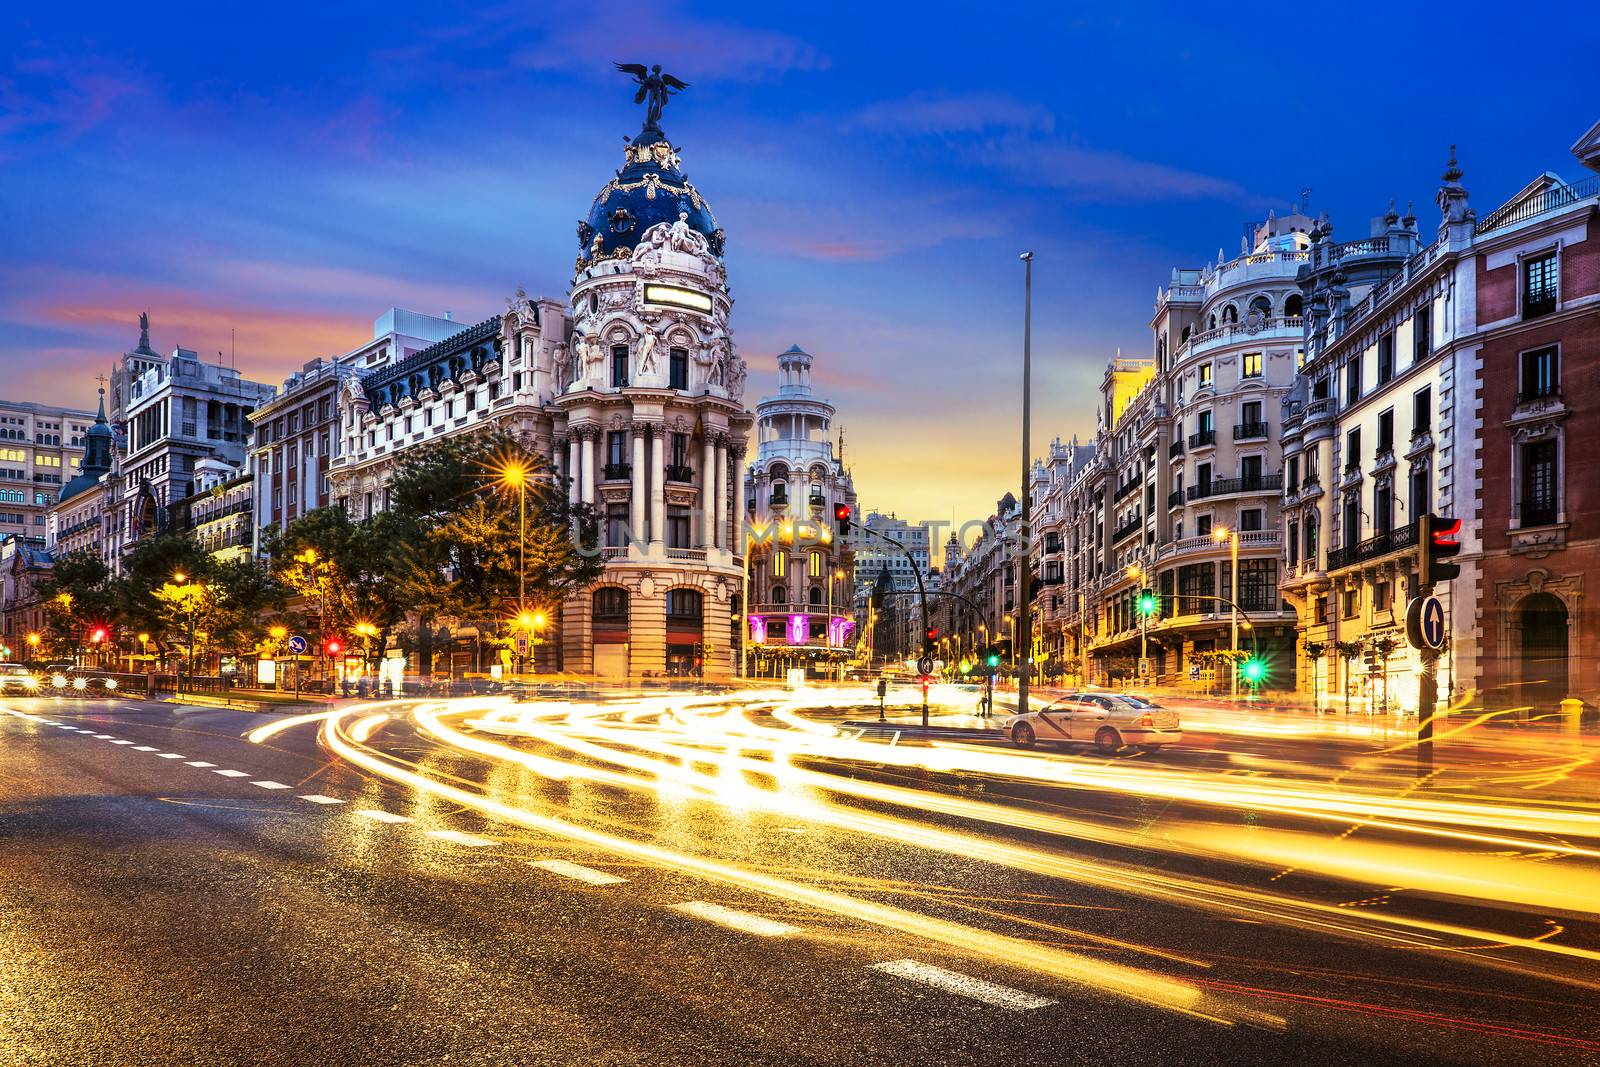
{"type": "Point", "coordinates": [78, 595]}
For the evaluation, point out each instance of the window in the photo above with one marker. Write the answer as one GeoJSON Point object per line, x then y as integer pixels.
{"type": "Point", "coordinates": [1421, 412]}
{"type": "Point", "coordinates": [1422, 334]}
{"type": "Point", "coordinates": [1205, 375]}
{"type": "Point", "coordinates": [1539, 286]}
{"type": "Point", "coordinates": [677, 527]}
{"type": "Point", "coordinates": [678, 363]}
{"type": "Point", "coordinates": [680, 450]}
{"type": "Point", "coordinates": [1386, 431]}
{"type": "Point", "coordinates": [611, 604]}
{"type": "Point", "coordinates": [1383, 506]}
{"type": "Point", "coordinates": [1321, 611]}
{"type": "Point", "coordinates": [1252, 365]}
{"type": "Point", "coordinates": [1250, 413]}
{"type": "Point", "coordinates": [1380, 597]}
{"type": "Point", "coordinates": [1204, 422]}
{"type": "Point", "coordinates": [1294, 472]}
{"type": "Point", "coordinates": [684, 604]}
{"type": "Point", "coordinates": [1419, 490]}
{"type": "Point", "coordinates": [1250, 472]}
{"type": "Point", "coordinates": [1352, 521]}
{"type": "Point", "coordinates": [816, 565]}
{"type": "Point", "coordinates": [616, 525]}
{"type": "Point", "coordinates": [1539, 484]}
{"type": "Point", "coordinates": [780, 564]}
{"type": "Point", "coordinates": [1352, 381]}
{"type": "Point", "coordinates": [616, 449]}
{"type": "Point", "coordinates": [1311, 538]}
{"type": "Point", "coordinates": [1258, 584]}
{"type": "Point", "coordinates": [1352, 603]}
{"type": "Point", "coordinates": [1250, 519]}
{"type": "Point", "coordinates": [779, 594]}
{"type": "Point", "coordinates": [1202, 526]}
{"type": "Point", "coordinates": [619, 366]}
{"type": "Point", "coordinates": [1294, 543]}
{"type": "Point", "coordinates": [1386, 357]}
{"type": "Point", "coordinates": [1319, 389]}
{"type": "Point", "coordinates": [1541, 376]}
{"type": "Point", "coordinates": [1202, 478]}
{"type": "Point", "coordinates": [1352, 449]}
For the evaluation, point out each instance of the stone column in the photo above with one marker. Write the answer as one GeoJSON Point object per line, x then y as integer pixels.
{"type": "Point", "coordinates": [636, 499]}
{"type": "Point", "coordinates": [708, 494]}
{"type": "Point", "coordinates": [720, 539]}
{"type": "Point", "coordinates": [588, 465]}
{"type": "Point", "coordinates": [658, 487]}
{"type": "Point", "coordinates": [573, 472]}
{"type": "Point", "coordinates": [736, 541]}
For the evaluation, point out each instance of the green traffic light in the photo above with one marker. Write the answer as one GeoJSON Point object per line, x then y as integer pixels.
{"type": "Point", "coordinates": [993, 660]}
{"type": "Point", "coordinates": [1148, 605]}
{"type": "Point", "coordinates": [1254, 671]}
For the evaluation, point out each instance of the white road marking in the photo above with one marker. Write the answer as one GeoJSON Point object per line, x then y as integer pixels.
{"type": "Point", "coordinates": [170, 755]}
{"type": "Point", "coordinates": [578, 872]}
{"type": "Point", "coordinates": [199, 763]}
{"type": "Point", "coordinates": [456, 837]}
{"type": "Point", "coordinates": [381, 816]}
{"type": "Point", "coordinates": [144, 748]}
{"type": "Point", "coordinates": [232, 774]}
{"type": "Point", "coordinates": [963, 985]}
{"type": "Point", "coordinates": [114, 741]}
{"type": "Point", "coordinates": [267, 783]}
{"type": "Point", "coordinates": [102, 737]}
{"type": "Point", "coordinates": [318, 798]}
{"type": "Point", "coordinates": [735, 920]}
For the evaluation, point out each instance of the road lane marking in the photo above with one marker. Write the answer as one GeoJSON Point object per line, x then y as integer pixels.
{"type": "Point", "coordinates": [170, 755]}
{"type": "Point", "coordinates": [456, 837]}
{"type": "Point", "coordinates": [578, 872]}
{"type": "Point", "coordinates": [231, 774]}
{"type": "Point", "coordinates": [381, 816]}
{"type": "Point", "coordinates": [318, 798]}
{"type": "Point", "coordinates": [144, 748]}
{"type": "Point", "coordinates": [267, 783]}
{"type": "Point", "coordinates": [735, 920]}
{"type": "Point", "coordinates": [199, 763]}
{"type": "Point", "coordinates": [115, 741]}
{"type": "Point", "coordinates": [963, 985]}
{"type": "Point", "coordinates": [102, 737]}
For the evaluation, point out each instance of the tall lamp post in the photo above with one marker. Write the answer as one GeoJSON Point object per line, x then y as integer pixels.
{"type": "Point", "coordinates": [1222, 533]}
{"type": "Point", "coordinates": [1024, 609]}
{"type": "Point", "coordinates": [514, 475]}
{"type": "Point", "coordinates": [188, 618]}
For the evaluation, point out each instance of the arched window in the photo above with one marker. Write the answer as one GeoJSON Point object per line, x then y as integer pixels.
{"type": "Point", "coordinates": [610, 604]}
{"type": "Point", "coordinates": [1262, 306]}
{"type": "Point", "coordinates": [779, 594]}
{"type": "Point", "coordinates": [816, 596]}
{"type": "Point", "coordinates": [1292, 306]}
{"type": "Point", "coordinates": [780, 564]}
{"type": "Point", "coordinates": [684, 604]}
{"type": "Point", "coordinates": [815, 570]}
{"type": "Point", "coordinates": [1230, 314]}
{"type": "Point", "coordinates": [1211, 323]}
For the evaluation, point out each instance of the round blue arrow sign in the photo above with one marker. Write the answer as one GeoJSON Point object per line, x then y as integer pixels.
{"type": "Point", "coordinates": [1433, 628]}
{"type": "Point", "coordinates": [297, 645]}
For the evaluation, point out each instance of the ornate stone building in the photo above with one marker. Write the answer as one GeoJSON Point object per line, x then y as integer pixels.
{"type": "Point", "coordinates": [800, 573]}
{"type": "Point", "coordinates": [633, 389]}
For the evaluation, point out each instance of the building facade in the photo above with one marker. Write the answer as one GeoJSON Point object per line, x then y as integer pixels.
{"type": "Point", "coordinates": [40, 447]}
{"type": "Point", "coordinates": [633, 389]}
{"type": "Point", "coordinates": [76, 521]}
{"type": "Point", "coordinates": [802, 611]}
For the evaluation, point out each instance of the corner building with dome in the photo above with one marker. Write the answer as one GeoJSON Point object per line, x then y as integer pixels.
{"type": "Point", "coordinates": [633, 389]}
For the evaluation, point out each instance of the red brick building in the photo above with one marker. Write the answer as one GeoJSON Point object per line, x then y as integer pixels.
{"type": "Point", "coordinates": [1537, 307]}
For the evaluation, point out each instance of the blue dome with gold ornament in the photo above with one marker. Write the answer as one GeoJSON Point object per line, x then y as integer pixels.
{"type": "Point", "coordinates": [649, 189]}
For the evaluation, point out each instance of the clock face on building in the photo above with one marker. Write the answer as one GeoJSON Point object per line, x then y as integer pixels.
{"type": "Point", "coordinates": [674, 296]}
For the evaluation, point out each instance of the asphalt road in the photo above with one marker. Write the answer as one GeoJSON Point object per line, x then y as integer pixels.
{"type": "Point", "coordinates": [155, 909]}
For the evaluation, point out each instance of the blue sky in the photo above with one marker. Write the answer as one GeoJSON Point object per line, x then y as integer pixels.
{"type": "Point", "coordinates": [288, 172]}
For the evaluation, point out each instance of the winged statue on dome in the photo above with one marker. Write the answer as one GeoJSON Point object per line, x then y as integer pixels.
{"type": "Point", "coordinates": [654, 87]}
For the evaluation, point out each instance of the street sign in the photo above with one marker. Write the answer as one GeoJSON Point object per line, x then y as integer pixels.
{"type": "Point", "coordinates": [925, 665]}
{"type": "Point", "coordinates": [522, 644]}
{"type": "Point", "coordinates": [1144, 668]}
{"type": "Point", "coordinates": [298, 645]}
{"type": "Point", "coordinates": [1425, 625]}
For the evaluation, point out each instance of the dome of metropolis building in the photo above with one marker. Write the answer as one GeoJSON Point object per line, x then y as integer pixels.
{"type": "Point", "coordinates": [649, 189]}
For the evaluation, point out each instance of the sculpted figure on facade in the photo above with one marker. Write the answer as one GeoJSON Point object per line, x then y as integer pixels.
{"type": "Point", "coordinates": [647, 353]}
{"type": "Point", "coordinates": [736, 373]}
{"type": "Point", "coordinates": [563, 364]}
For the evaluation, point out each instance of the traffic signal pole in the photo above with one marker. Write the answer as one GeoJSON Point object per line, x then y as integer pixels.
{"type": "Point", "coordinates": [1024, 636]}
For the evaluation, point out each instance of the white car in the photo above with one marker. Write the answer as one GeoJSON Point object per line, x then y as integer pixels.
{"type": "Point", "coordinates": [1108, 721]}
{"type": "Point", "coordinates": [14, 676]}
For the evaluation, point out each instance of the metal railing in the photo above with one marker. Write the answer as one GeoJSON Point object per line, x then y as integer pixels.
{"type": "Point", "coordinates": [1132, 526]}
{"type": "Point", "coordinates": [1538, 204]}
{"type": "Point", "coordinates": [1203, 439]}
{"type": "Point", "coordinates": [1249, 431]}
{"type": "Point", "coordinates": [617, 472]}
{"type": "Point", "coordinates": [682, 472]}
{"type": "Point", "coordinates": [1175, 449]}
{"type": "Point", "coordinates": [1395, 540]}
{"type": "Point", "coordinates": [1174, 498]}
{"type": "Point", "coordinates": [1224, 486]}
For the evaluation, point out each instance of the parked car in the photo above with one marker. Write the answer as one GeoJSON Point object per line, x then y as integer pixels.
{"type": "Point", "coordinates": [16, 677]}
{"type": "Point", "coordinates": [1108, 721]}
{"type": "Point", "coordinates": [81, 680]}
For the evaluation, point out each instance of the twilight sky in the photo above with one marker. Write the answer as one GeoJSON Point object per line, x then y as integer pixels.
{"type": "Point", "coordinates": [289, 171]}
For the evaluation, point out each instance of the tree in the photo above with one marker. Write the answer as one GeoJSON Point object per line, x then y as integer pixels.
{"type": "Point", "coordinates": [153, 563]}
{"type": "Point", "coordinates": [78, 596]}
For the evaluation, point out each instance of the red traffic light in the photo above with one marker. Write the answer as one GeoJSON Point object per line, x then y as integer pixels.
{"type": "Point", "coordinates": [98, 635]}
{"type": "Point", "coordinates": [842, 512]}
{"type": "Point", "coordinates": [335, 647]}
{"type": "Point", "coordinates": [933, 633]}
{"type": "Point", "coordinates": [1446, 533]}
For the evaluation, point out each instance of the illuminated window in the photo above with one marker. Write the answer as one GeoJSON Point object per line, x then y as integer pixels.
{"type": "Point", "coordinates": [1252, 364]}
{"type": "Point", "coordinates": [780, 564]}
{"type": "Point", "coordinates": [1205, 375]}
{"type": "Point", "coordinates": [816, 564]}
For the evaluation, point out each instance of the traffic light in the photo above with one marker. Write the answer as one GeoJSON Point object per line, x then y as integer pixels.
{"type": "Point", "coordinates": [335, 646]}
{"type": "Point", "coordinates": [933, 633]}
{"type": "Point", "coordinates": [1254, 670]}
{"type": "Point", "coordinates": [1440, 538]}
{"type": "Point", "coordinates": [98, 634]}
{"type": "Point", "coordinates": [841, 518]}
{"type": "Point", "coordinates": [1148, 603]}
{"type": "Point", "coordinates": [991, 657]}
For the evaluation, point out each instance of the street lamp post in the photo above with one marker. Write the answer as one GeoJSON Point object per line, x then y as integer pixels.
{"type": "Point", "coordinates": [180, 578]}
{"type": "Point", "coordinates": [1025, 534]}
{"type": "Point", "coordinates": [1222, 533]}
{"type": "Point", "coordinates": [514, 475]}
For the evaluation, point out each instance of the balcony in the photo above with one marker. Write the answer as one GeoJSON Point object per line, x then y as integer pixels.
{"type": "Point", "coordinates": [682, 472]}
{"type": "Point", "coordinates": [1175, 498]}
{"type": "Point", "coordinates": [1176, 449]}
{"type": "Point", "coordinates": [617, 472]}
{"type": "Point", "coordinates": [1401, 537]}
{"type": "Point", "coordinates": [1249, 431]}
{"type": "Point", "coordinates": [1125, 488]}
{"type": "Point", "coordinates": [1203, 439]}
{"type": "Point", "coordinates": [1227, 486]}
{"type": "Point", "coordinates": [1129, 527]}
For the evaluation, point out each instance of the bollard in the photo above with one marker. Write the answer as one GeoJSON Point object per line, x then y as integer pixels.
{"type": "Point", "coordinates": [1572, 718]}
